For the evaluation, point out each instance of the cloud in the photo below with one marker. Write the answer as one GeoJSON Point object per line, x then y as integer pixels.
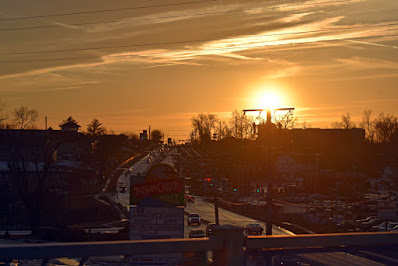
{"type": "Point", "coordinates": [361, 63]}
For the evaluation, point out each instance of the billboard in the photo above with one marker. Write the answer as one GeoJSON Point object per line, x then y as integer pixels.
{"type": "Point", "coordinates": [157, 211]}
{"type": "Point", "coordinates": [162, 186]}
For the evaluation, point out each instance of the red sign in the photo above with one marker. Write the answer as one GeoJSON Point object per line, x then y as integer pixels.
{"type": "Point", "coordinates": [157, 188]}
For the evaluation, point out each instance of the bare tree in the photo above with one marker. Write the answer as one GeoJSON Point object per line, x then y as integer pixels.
{"type": "Point", "coordinates": [368, 125]}
{"type": "Point", "coordinates": [156, 135]}
{"type": "Point", "coordinates": [306, 125]}
{"type": "Point", "coordinates": [241, 125]}
{"type": "Point", "coordinates": [385, 127]}
{"type": "Point", "coordinates": [285, 121]}
{"type": "Point", "coordinates": [204, 125]}
{"type": "Point", "coordinates": [2, 106]}
{"type": "Point", "coordinates": [345, 122]}
{"type": "Point", "coordinates": [30, 174]}
{"type": "Point", "coordinates": [95, 128]}
{"type": "Point", "coordinates": [24, 116]}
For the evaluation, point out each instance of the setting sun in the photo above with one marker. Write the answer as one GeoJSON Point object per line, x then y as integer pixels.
{"type": "Point", "coordinates": [270, 100]}
{"type": "Point", "coordinates": [267, 99]}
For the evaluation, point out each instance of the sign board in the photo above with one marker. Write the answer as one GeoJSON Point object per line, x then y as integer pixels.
{"type": "Point", "coordinates": [387, 210]}
{"type": "Point", "coordinates": [157, 211]}
{"type": "Point", "coordinates": [162, 186]}
{"type": "Point", "coordinates": [156, 223]}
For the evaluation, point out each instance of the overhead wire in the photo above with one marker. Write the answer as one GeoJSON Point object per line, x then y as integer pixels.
{"type": "Point", "coordinates": [105, 10]}
{"type": "Point", "coordinates": [153, 44]}
{"type": "Point", "coordinates": [122, 9]}
{"type": "Point", "coordinates": [187, 41]}
{"type": "Point", "coordinates": [125, 20]}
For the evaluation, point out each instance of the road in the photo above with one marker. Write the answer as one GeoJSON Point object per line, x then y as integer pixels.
{"type": "Point", "coordinates": [206, 210]}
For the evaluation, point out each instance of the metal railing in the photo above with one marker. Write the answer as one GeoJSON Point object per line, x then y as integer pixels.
{"type": "Point", "coordinates": [229, 246]}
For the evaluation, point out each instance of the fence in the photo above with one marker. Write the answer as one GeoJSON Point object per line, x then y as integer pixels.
{"type": "Point", "coordinates": [229, 246]}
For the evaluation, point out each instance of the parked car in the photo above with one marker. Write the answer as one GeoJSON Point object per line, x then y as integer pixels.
{"type": "Point", "coordinates": [194, 218]}
{"type": "Point", "coordinates": [382, 227]}
{"type": "Point", "coordinates": [367, 226]}
{"type": "Point", "coordinates": [254, 229]}
{"type": "Point", "coordinates": [209, 229]}
{"type": "Point", "coordinates": [361, 221]}
{"type": "Point", "coordinates": [122, 189]}
{"type": "Point", "coordinates": [197, 234]}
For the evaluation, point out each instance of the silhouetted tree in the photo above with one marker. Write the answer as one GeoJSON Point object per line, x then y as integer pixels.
{"type": "Point", "coordinates": [204, 125]}
{"type": "Point", "coordinates": [345, 122]}
{"type": "Point", "coordinates": [156, 135]}
{"type": "Point", "coordinates": [368, 125]}
{"type": "Point", "coordinates": [95, 128]}
{"type": "Point", "coordinates": [24, 116]}
{"type": "Point", "coordinates": [386, 126]}
{"type": "Point", "coordinates": [2, 106]}
{"type": "Point", "coordinates": [285, 121]}
{"type": "Point", "coordinates": [30, 174]}
{"type": "Point", "coordinates": [241, 125]}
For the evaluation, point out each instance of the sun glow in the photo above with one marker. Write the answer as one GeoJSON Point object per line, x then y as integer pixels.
{"type": "Point", "coordinates": [269, 99]}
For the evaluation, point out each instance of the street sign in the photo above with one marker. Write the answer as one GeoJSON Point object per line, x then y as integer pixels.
{"type": "Point", "coordinates": [387, 210]}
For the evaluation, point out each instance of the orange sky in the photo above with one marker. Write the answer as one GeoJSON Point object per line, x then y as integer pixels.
{"type": "Point", "coordinates": [164, 64]}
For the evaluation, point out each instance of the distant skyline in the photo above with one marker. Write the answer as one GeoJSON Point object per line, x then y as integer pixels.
{"type": "Point", "coordinates": [159, 62]}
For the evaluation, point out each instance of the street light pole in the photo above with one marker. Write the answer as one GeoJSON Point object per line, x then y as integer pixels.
{"type": "Point", "coordinates": [269, 128]}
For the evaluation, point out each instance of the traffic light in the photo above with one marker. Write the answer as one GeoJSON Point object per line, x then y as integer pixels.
{"type": "Point", "coordinates": [235, 189]}
{"type": "Point", "coordinates": [258, 190]}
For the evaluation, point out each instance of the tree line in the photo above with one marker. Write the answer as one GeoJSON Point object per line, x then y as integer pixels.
{"type": "Point", "coordinates": [380, 129]}
{"type": "Point", "coordinates": [24, 117]}
{"type": "Point", "coordinates": [205, 127]}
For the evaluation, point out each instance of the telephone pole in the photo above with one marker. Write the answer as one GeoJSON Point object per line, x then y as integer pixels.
{"type": "Point", "coordinates": [268, 145]}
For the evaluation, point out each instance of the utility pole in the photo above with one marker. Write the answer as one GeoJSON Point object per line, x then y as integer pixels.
{"type": "Point", "coordinates": [215, 190]}
{"type": "Point", "coordinates": [45, 122]}
{"type": "Point", "coordinates": [269, 127]}
{"type": "Point", "coordinates": [149, 133]}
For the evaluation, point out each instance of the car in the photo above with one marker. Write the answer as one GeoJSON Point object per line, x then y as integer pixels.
{"type": "Point", "coordinates": [255, 229]}
{"type": "Point", "coordinates": [209, 229]}
{"type": "Point", "coordinates": [359, 222]}
{"type": "Point", "coordinates": [197, 234]}
{"type": "Point", "coordinates": [194, 218]}
{"type": "Point", "coordinates": [382, 226]}
{"type": "Point", "coordinates": [367, 226]}
{"type": "Point", "coordinates": [189, 199]}
{"type": "Point", "coordinates": [122, 189]}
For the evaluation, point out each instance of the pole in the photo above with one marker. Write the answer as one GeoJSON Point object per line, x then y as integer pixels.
{"type": "Point", "coordinates": [336, 204]}
{"type": "Point", "coordinates": [269, 196]}
{"type": "Point", "coordinates": [45, 119]}
{"type": "Point", "coordinates": [216, 206]}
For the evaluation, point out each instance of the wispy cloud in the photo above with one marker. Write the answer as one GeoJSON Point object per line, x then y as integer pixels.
{"type": "Point", "coordinates": [360, 63]}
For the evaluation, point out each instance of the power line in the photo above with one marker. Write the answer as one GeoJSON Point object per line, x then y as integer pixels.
{"type": "Point", "coordinates": [179, 42]}
{"type": "Point", "coordinates": [126, 20]}
{"type": "Point", "coordinates": [105, 10]}
{"type": "Point", "coordinates": [188, 41]}
{"type": "Point", "coordinates": [120, 9]}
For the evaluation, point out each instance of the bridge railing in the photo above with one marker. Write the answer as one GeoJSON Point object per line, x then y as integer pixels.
{"type": "Point", "coordinates": [229, 246]}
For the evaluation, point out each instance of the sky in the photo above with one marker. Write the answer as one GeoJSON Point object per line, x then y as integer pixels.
{"type": "Point", "coordinates": [132, 64]}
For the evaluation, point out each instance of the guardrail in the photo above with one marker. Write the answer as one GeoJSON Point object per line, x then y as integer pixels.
{"type": "Point", "coordinates": [229, 246]}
